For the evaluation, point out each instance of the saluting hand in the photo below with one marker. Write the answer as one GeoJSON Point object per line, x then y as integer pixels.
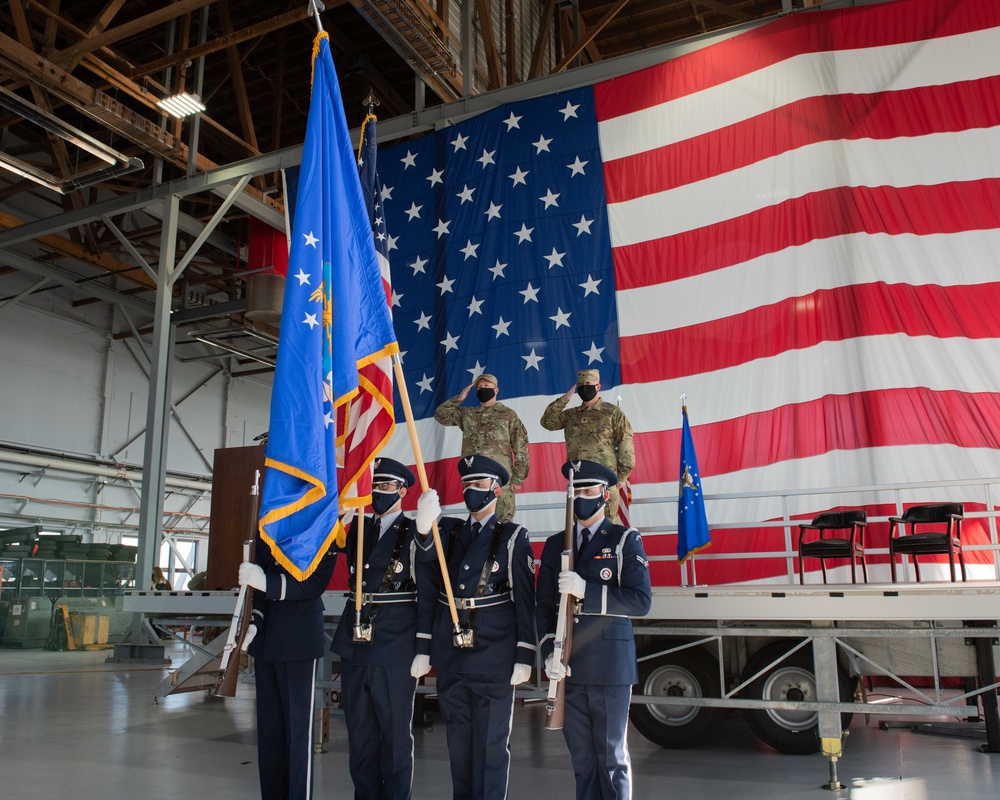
{"type": "Point", "coordinates": [465, 392]}
{"type": "Point", "coordinates": [571, 392]}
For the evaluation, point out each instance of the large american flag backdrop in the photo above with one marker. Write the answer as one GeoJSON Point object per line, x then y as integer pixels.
{"type": "Point", "coordinates": [797, 228]}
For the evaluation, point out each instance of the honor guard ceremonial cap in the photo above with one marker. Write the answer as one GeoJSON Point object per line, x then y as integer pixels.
{"type": "Point", "coordinates": [474, 468]}
{"type": "Point", "coordinates": [386, 469]}
{"type": "Point", "coordinates": [588, 473]}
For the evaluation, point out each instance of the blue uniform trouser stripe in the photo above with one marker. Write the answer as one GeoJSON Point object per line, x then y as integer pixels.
{"type": "Point", "coordinates": [477, 711]}
{"type": "Point", "coordinates": [595, 728]}
{"type": "Point", "coordinates": [285, 695]}
{"type": "Point", "coordinates": [378, 708]}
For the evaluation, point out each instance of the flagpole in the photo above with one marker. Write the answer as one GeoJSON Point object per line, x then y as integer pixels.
{"type": "Point", "coordinates": [359, 560]}
{"type": "Point", "coordinates": [411, 427]}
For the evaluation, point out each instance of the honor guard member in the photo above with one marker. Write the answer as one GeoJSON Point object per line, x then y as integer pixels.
{"type": "Point", "coordinates": [595, 431]}
{"type": "Point", "coordinates": [490, 429]}
{"type": "Point", "coordinates": [492, 568]}
{"type": "Point", "coordinates": [286, 639]}
{"type": "Point", "coordinates": [610, 583]}
{"type": "Point", "coordinates": [376, 651]}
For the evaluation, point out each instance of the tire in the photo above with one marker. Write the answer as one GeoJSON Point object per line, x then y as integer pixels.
{"type": "Point", "coordinates": [685, 673]}
{"type": "Point", "coordinates": [788, 731]}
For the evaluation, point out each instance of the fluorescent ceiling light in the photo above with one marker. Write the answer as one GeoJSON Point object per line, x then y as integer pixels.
{"type": "Point", "coordinates": [182, 105]}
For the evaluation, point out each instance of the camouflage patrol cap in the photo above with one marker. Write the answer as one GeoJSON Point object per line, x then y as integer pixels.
{"type": "Point", "coordinates": [473, 468]}
{"type": "Point", "coordinates": [386, 469]}
{"type": "Point", "coordinates": [588, 376]}
{"type": "Point", "coordinates": [486, 377]}
{"type": "Point", "coordinates": [589, 473]}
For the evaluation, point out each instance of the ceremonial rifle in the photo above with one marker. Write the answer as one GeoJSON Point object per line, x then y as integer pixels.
{"type": "Point", "coordinates": [229, 667]}
{"type": "Point", "coordinates": [555, 705]}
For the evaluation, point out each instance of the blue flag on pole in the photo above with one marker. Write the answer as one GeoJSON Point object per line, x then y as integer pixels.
{"type": "Point", "coordinates": [334, 315]}
{"type": "Point", "coordinates": [692, 524]}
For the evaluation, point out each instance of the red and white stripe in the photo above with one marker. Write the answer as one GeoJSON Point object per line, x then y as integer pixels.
{"type": "Point", "coordinates": [805, 223]}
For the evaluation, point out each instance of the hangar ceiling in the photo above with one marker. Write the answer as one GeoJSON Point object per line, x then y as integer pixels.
{"type": "Point", "coordinates": [80, 127]}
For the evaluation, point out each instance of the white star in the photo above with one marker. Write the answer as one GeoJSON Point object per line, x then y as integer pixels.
{"type": "Point", "coordinates": [413, 212]}
{"type": "Point", "coordinates": [469, 250]}
{"type": "Point", "coordinates": [327, 419]}
{"type": "Point", "coordinates": [477, 370]}
{"type": "Point", "coordinates": [555, 259]}
{"type": "Point", "coordinates": [531, 361]}
{"type": "Point", "coordinates": [474, 306]}
{"type": "Point", "coordinates": [590, 287]}
{"type": "Point", "coordinates": [396, 297]}
{"type": "Point", "coordinates": [583, 226]}
{"type": "Point", "coordinates": [542, 144]}
{"type": "Point", "coordinates": [594, 353]}
{"type": "Point", "coordinates": [425, 384]}
{"type": "Point", "coordinates": [409, 160]}
{"type": "Point", "coordinates": [450, 342]}
{"type": "Point", "coordinates": [497, 269]}
{"type": "Point", "coordinates": [387, 192]}
{"type": "Point", "coordinates": [418, 265]}
{"type": "Point", "coordinates": [531, 293]}
{"type": "Point", "coordinates": [311, 321]}
{"type": "Point", "coordinates": [310, 239]}
{"type": "Point", "coordinates": [523, 235]}
{"type": "Point", "coordinates": [466, 194]}
{"type": "Point", "coordinates": [561, 318]}
{"type": "Point", "coordinates": [442, 228]}
{"type": "Point", "coordinates": [487, 158]}
{"type": "Point", "coordinates": [303, 277]}
{"type": "Point", "coordinates": [512, 121]}
{"type": "Point", "coordinates": [423, 321]}
{"type": "Point", "coordinates": [576, 168]}
{"type": "Point", "coordinates": [435, 176]}
{"type": "Point", "coordinates": [459, 142]}
{"type": "Point", "coordinates": [550, 199]}
{"type": "Point", "coordinates": [493, 211]}
{"type": "Point", "coordinates": [568, 111]}
{"type": "Point", "coordinates": [445, 286]}
{"type": "Point", "coordinates": [501, 328]}
{"type": "Point", "coordinates": [518, 177]}
{"type": "Point", "coordinates": [402, 355]}
{"type": "Point", "coordinates": [391, 244]}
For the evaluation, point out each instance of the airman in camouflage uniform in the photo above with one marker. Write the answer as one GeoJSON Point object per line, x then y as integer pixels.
{"type": "Point", "coordinates": [595, 431]}
{"type": "Point", "coordinates": [492, 430]}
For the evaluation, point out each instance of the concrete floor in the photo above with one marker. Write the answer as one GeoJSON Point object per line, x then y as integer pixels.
{"type": "Point", "coordinates": [75, 727]}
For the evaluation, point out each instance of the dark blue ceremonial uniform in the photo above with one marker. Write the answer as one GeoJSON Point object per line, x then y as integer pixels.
{"type": "Point", "coordinates": [378, 689]}
{"type": "Point", "coordinates": [602, 660]}
{"type": "Point", "coordinates": [474, 691]}
{"type": "Point", "coordinates": [288, 647]}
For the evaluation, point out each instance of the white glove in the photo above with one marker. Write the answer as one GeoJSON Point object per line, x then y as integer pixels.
{"type": "Point", "coordinates": [428, 510]}
{"type": "Point", "coordinates": [555, 670]}
{"type": "Point", "coordinates": [421, 666]}
{"type": "Point", "coordinates": [521, 674]}
{"type": "Point", "coordinates": [253, 576]}
{"type": "Point", "coordinates": [571, 583]}
{"type": "Point", "coordinates": [251, 633]}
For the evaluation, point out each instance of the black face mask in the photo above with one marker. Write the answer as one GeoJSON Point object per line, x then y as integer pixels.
{"type": "Point", "coordinates": [383, 501]}
{"type": "Point", "coordinates": [485, 394]}
{"type": "Point", "coordinates": [586, 507]}
{"type": "Point", "coordinates": [587, 392]}
{"type": "Point", "coordinates": [478, 499]}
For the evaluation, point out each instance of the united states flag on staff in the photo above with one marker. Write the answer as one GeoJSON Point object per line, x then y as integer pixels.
{"type": "Point", "coordinates": [799, 228]}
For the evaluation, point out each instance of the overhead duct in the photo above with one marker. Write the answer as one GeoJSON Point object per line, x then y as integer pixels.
{"type": "Point", "coordinates": [407, 31]}
{"type": "Point", "coordinates": [54, 462]}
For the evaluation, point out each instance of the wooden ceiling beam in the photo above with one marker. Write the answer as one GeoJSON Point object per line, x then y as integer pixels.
{"type": "Point", "coordinates": [591, 35]}
{"type": "Point", "coordinates": [538, 57]}
{"type": "Point", "coordinates": [228, 40]}
{"type": "Point", "coordinates": [136, 26]}
{"type": "Point", "coordinates": [489, 43]}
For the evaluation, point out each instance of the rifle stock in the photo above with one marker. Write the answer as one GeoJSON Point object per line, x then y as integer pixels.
{"type": "Point", "coordinates": [555, 706]}
{"type": "Point", "coordinates": [229, 664]}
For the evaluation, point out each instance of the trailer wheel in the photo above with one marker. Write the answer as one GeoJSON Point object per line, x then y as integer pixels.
{"type": "Point", "coordinates": [685, 673]}
{"type": "Point", "coordinates": [786, 730]}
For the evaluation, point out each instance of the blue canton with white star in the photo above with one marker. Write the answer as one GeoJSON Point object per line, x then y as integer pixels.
{"type": "Point", "coordinates": [500, 253]}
